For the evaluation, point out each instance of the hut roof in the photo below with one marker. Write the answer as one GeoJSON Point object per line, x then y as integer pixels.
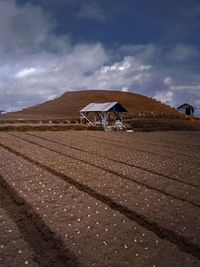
{"type": "Point", "coordinates": [104, 107]}
{"type": "Point", "coordinates": [186, 104]}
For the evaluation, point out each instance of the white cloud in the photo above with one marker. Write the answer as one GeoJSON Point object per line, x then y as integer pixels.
{"type": "Point", "coordinates": [166, 97]}
{"type": "Point", "coordinates": [40, 76]}
{"type": "Point", "coordinates": [51, 97]}
{"type": "Point", "coordinates": [182, 52]}
{"type": "Point", "coordinates": [127, 73]}
{"type": "Point", "coordinates": [124, 89]}
{"type": "Point", "coordinates": [165, 56]}
{"type": "Point", "coordinates": [145, 53]}
{"type": "Point", "coordinates": [144, 67]}
{"type": "Point", "coordinates": [167, 80]}
{"type": "Point", "coordinates": [186, 87]}
{"type": "Point", "coordinates": [25, 72]}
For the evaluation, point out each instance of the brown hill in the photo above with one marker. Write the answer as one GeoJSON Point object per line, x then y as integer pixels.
{"type": "Point", "coordinates": [69, 104]}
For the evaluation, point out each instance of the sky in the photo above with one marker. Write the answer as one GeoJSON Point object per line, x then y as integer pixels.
{"type": "Point", "coordinates": [149, 47]}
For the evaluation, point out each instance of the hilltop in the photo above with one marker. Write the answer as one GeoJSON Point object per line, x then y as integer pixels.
{"type": "Point", "coordinates": [144, 113]}
{"type": "Point", "coordinates": [69, 104]}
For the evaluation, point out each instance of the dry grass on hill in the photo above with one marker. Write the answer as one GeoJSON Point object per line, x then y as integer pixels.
{"type": "Point", "coordinates": [68, 106]}
{"type": "Point", "coordinates": [144, 113]}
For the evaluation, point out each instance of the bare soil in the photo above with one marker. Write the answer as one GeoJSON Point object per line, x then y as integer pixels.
{"type": "Point", "coordinates": [21, 243]}
{"type": "Point", "coordinates": [100, 198]}
{"type": "Point", "coordinates": [164, 124]}
{"type": "Point", "coordinates": [25, 127]}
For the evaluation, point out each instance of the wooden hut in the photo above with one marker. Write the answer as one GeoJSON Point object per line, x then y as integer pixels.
{"type": "Point", "coordinates": [186, 109]}
{"type": "Point", "coordinates": [101, 112]}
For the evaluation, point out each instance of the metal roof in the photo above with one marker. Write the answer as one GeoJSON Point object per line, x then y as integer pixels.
{"type": "Point", "coordinates": [98, 107]}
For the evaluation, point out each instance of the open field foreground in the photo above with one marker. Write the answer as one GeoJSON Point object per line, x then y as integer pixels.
{"type": "Point", "coordinates": [100, 199]}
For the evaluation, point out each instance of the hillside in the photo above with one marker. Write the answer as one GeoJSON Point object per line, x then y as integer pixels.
{"type": "Point", "coordinates": [69, 104]}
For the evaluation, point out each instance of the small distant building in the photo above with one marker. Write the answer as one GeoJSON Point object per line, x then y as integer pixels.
{"type": "Point", "coordinates": [186, 109]}
{"type": "Point", "coordinates": [101, 112]}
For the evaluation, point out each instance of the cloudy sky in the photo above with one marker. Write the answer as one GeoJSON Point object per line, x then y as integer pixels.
{"type": "Point", "coordinates": [48, 47]}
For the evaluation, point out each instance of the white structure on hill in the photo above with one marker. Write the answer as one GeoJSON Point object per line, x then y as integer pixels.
{"type": "Point", "coordinates": [101, 112]}
{"type": "Point", "coordinates": [186, 109]}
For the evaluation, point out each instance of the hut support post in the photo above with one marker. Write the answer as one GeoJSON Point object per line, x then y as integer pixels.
{"type": "Point", "coordinates": [100, 116]}
{"type": "Point", "coordinates": [119, 115]}
{"type": "Point", "coordinates": [84, 116]}
{"type": "Point", "coordinates": [95, 118]}
{"type": "Point", "coordinates": [105, 119]}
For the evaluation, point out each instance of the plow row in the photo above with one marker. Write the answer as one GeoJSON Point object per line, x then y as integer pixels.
{"type": "Point", "coordinates": [99, 211]}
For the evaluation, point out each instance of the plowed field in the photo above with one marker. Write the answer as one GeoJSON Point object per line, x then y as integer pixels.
{"type": "Point", "coordinates": [100, 199]}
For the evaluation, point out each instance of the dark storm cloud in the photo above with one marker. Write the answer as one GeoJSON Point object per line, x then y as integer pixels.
{"type": "Point", "coordinates": [92, 11]}
{"type": "Point", "coordinates": [24, 28]}
{"type": "Point", "coordinates": [130, 21]}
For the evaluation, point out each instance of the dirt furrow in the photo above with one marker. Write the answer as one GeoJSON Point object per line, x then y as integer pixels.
{"type": "Point", "coordinates": [172, 167]}
{"type": "Point", "coordinates": [19, 237]}
{"type": "Point", "coordinates": [97, 234]}
{"type": "Point", "coordinates": [166, 139]}
{"type": "Point", "coordinates": [170, 149]}
{"type": "Point", "coordinates": [133, 146]}
{"type": "Point", "coordinates": [193, 198]}
{"type": "Point", "coordinates": [96, 154]}
{"type": "Point", "coordinates": [182, 238]}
